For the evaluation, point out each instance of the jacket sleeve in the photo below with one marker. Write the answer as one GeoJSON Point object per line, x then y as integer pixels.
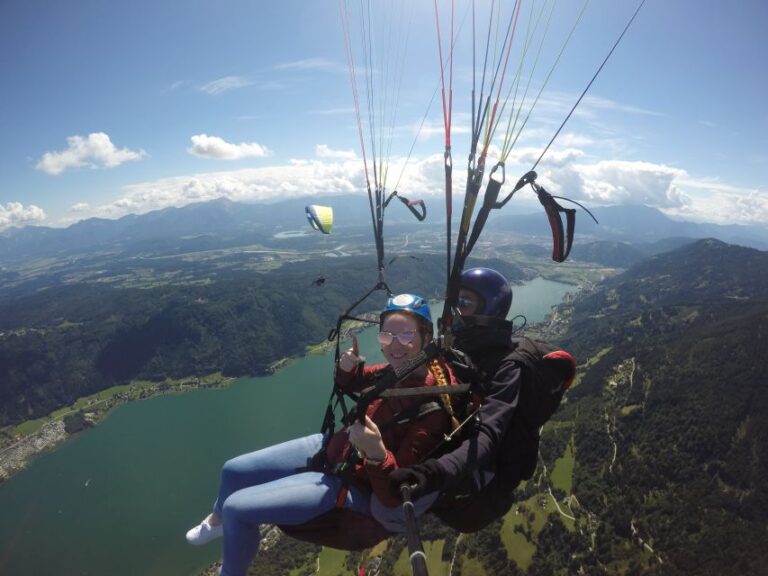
{"type": "Point", "coordinates": [479, 447]}
{"type": "Point", "coordinates": [422, 437]}
{"type": "Point", "coordinates": [359, 379]}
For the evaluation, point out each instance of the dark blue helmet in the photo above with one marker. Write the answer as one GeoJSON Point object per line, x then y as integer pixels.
{"type": "Point", "coordinates": [493, 289]}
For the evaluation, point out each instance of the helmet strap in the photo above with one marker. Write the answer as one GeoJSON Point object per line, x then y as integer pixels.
{"type": "Point", "coordinates": [482, 320]}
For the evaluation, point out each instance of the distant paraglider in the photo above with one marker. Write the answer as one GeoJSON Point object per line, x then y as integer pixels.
{"type": "Point", "coordinates": [320, 217]}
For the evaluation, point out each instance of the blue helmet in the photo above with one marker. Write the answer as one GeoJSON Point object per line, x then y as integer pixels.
{"type": "Point", "coordinates": [493, 289]}
{"type": "Point", "coordinates": [408, 303]}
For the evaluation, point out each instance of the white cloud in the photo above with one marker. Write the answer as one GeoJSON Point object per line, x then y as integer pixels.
{"type": "Point", "coordinates": [670, 189]}
{"type": "Point", "coordinates": [298, 178]}
{"type": "Point", "coordinates": [557, 158]}
{"type": "Point", "coordinates": [599, 183]}
{"type": "Point", "coordinates": [599, 103]}
{"type": "Point", "coordinates": [571, 139]}
{"type": "Point", "coordinates": [568, 171]}
{"type": "Point", "coordinates": [715, 201]}
{"type": "Point", "coordinates": [80, 207]}
{"type": "Point", "coordinates": [225, 84]}
{"type": "Point", "coordinates": [15, 214]}
{"type": "Point", "coordinates": [313, 64]}
{"type": "Point", "coordinates": [324, 151]}
{"type": "Point", "coordinates": [751, 207]}
{"type": "Point", "coordinates": [426, 129]}
{"type": "Point", "coordinates": [216, 148]}
{"type": "Point", "coordinates": [177, 85]}
{"type": "Point", "coordinates": [593, 112]}
{"type": "Point", "coordinates": [93, 151]}
{"type": "Point", "coordinates": [621, 182]}
{"type": "Point", "coordinates": [555, 106]}
{"type": "Point", "coordinates": [334, 112]}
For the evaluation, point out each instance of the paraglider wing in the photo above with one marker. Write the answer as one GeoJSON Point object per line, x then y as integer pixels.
{"type": "Point", "coordinates": [320, 217]}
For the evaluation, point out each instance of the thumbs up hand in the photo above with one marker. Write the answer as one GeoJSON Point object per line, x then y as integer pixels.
{"type": "Point", "coordinates": [349, 360]}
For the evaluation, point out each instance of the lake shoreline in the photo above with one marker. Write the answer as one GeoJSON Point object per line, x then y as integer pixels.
{"type": "Point", "coordinates": [16, 456]}
{"type": "Point", "coordinates": [161, 460]}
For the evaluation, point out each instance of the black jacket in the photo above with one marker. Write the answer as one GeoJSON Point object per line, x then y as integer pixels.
{"type": "Point", "coordinates": [498, 442]}
{"type": "Point", "coordinates": [498, 384]}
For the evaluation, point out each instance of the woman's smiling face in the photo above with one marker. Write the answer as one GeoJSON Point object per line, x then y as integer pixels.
{"type": "Point", "coordinates": [401, 325]}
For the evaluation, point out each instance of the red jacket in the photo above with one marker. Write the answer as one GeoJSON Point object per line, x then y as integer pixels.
{"type": "Point", "coordinates": [406, 444]}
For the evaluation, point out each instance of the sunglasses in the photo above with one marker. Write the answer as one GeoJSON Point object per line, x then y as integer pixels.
{"type": "Point", "coordinates": [405, 338]}
{"type": "Point", "coordinates": [465, 302]}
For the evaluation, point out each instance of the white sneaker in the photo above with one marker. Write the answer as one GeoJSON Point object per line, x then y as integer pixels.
{"type": "Point", "coordinates": [204, 533]}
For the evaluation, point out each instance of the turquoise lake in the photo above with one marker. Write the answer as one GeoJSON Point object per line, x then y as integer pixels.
{"type": "Point", "coordinates": [117, 499]}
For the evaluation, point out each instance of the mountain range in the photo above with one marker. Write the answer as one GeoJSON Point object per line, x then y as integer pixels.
{"type": "Point", "coordinates": [222, 222]}
{"type": "Point", "coordinates": [656, 463]}
{"type": "Point", "coordinates": [635, 224]}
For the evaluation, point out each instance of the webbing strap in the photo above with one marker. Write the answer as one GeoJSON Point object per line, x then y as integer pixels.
{"type": "Point", "coordinates": [474, 180]}
{"type": "Point", "coordinates": [463, 247]}
{"type": "Point", "coordinates": [329, 421]}
{"type": "Point", "coordinates": [389, 378]}
{"type": "Point", "coordinates": [425, 391]}
{"type": "Point", "coordinates": [562, 240]}
{"type": "Point", "coordinates": [410, 204]}
{"type": "Point", "coordinates": [489, 202]}
{"type": "Point", "coordinates": [562, 235]}
{"type": "Point", "coordinates": [342, 497]}
{"type": "Point", "coordinates": [410, 414]}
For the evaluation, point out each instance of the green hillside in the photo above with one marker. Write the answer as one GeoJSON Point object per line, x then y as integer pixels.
{"type": "Point", "coordinates": [657, 462]}
{"type": "Point", "coordinates": [62, 343]}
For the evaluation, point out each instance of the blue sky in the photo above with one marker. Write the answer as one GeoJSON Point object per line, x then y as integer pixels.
{"type": "Point", "coordinates": [109, 108]}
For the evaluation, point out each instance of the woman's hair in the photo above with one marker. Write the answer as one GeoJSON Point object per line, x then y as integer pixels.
{"type": "Point", "coordinates": [426, 329]}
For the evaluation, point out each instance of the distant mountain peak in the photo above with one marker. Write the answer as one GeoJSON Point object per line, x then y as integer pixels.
{"type": "Point", "coordinates": [635, 223]}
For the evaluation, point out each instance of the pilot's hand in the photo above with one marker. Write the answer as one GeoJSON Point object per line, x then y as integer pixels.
{"type": "Point", "coordinates": [422, 478]}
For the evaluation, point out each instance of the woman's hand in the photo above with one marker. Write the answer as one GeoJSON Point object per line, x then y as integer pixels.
{"type": "Point", "coordinates": [349, 360]}
{"type": "Point", "coordinates": [367, 439]}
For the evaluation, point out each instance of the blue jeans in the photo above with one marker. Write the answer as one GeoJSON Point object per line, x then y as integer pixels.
{"type": "Point", "coordinates": [263, 487]}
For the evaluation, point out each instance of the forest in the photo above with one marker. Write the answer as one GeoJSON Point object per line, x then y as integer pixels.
{"type": "Point", "coordinates": [668, 423]}
{"type": "Point", "coordinates": [691, 422]}
{"type": "Point", "coordinates": [63, 342]}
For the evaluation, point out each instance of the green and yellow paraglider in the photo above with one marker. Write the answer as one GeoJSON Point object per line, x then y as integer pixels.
{"type": "Point", "coordinates": [320, 217]}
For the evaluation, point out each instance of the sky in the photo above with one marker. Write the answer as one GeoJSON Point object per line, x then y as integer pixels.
{"type": "Point", "coordinates": [109, 108]}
